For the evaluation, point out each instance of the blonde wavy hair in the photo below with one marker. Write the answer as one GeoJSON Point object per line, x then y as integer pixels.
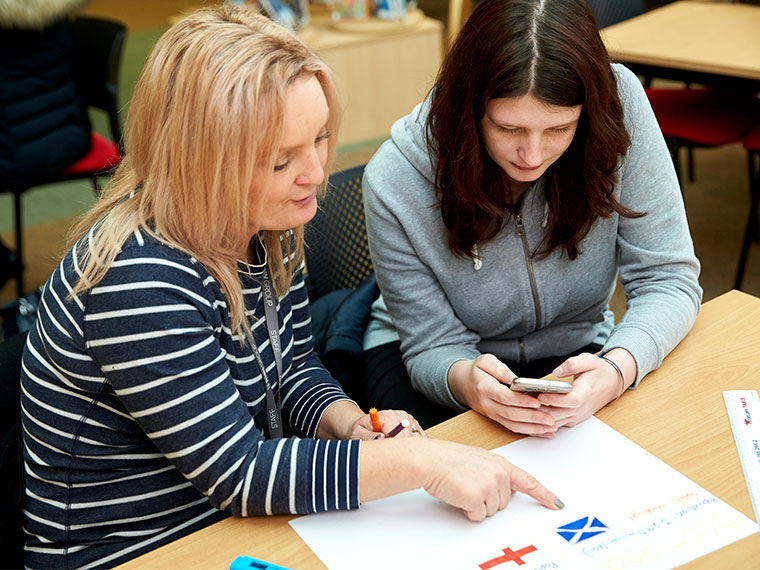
{"type": "Point", "coordinates": [207, 109]}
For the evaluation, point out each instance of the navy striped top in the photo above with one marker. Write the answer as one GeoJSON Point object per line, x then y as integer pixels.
{"type": "Point", "coordinates": [143, 415]}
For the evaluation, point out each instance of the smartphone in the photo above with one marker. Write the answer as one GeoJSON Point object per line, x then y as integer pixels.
{"type": "Point", "coordinates": [540, 385]}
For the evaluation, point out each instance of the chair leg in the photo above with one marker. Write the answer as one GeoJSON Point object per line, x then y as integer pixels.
{"type": "Point", "coordinates": [96, 186]}
{"type": "Point", "coordinates": [754, 182]}
{"type": "Point", "coordinates": [690, 158]}
{"type": "Point", "coordinates": [751, 231]}
{"type": "Point", "coordinates": [19, 244]}
{"type": "Point", "coordinates": [674, 147]}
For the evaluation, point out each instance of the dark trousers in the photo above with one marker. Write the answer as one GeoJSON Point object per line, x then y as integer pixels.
{"type": "Point", "coordinates": [389, 387]}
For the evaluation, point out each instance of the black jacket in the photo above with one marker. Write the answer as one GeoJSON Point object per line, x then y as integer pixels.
{"type": "Point", "coordinates": [338, 321]}
{"type": "Point", "coordinates": [43, 121]}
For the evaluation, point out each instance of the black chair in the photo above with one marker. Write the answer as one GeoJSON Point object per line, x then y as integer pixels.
{"type": "Point", "coordinates": [702, 118]}
{"type": "Point", "coordinates": [11, 453]}
{"type": "Point", "coordinates": [339, 280]}
{"type": "Point", "coordinates": [752, 232]}
{"type": "Point", "coordinates": [97, 49]}
{"type": "Point", "coordinates": [98, 46]}
{"type": "Point", "coordinates": [337, 252]}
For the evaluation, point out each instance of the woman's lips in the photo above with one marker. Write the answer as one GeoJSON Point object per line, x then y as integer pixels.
{"type": "Point", "coordinates": [307, 199]}
{"type": "Point", "coordinates": [526, 168]}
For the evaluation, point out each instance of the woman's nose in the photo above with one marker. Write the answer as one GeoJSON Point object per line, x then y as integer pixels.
{"type": "Point", "coordinates": [313, 172]}
{"type": "Point", "coordinates": [530, 152]}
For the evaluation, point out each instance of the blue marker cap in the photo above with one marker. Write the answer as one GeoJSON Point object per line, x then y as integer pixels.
{"type": "Point", "coordinates": [248, 563]}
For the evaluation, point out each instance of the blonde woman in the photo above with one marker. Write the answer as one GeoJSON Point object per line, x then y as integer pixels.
{"type": "Point", "coordinates": [170, 380]}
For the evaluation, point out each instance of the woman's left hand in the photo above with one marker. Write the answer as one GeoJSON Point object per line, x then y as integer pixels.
{"type": "Point", "coordinates": [345, 420]}
{"type": "Point", "coordinates": [596, 383]}
{"type": "Point", "coordinates": [389, 419]}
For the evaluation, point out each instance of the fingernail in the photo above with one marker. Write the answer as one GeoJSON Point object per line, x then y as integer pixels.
{"type": "Point", "coordinates": [559, 504]}
{"type": "Point", "coordinates": [558, 371]}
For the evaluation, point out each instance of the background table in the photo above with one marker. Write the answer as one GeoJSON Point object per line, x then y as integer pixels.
{"type": "Point", "coordinates": [677, 414]}
{"type": "Point", "coordinates": [383, 69]}
{"type": "Point", "coordinates": [714, 43]}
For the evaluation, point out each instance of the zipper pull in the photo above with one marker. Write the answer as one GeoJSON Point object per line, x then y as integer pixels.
{"type": "Point", "coordinates": [477, 263]}
{"type": "Point", "coordinates": [519, 225]}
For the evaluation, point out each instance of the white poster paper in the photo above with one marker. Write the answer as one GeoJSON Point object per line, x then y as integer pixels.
{"type": "Point", "coordinates": [624, 509]}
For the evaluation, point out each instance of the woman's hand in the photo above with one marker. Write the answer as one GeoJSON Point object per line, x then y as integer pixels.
{"type": "Point", "coordinates": [481, 384]}
{"type": "Point", "coordinates": [345, 420]}
{"type": "Point", "coordinates": [596, 383]}
{"type": "Point", "coordinates": [478, 482]}
{"type": "Point", "coordinates": [389, 419]}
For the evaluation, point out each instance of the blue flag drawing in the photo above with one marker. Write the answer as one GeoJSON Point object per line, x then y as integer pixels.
{"type": "Point", "coordinates": [582, 529]}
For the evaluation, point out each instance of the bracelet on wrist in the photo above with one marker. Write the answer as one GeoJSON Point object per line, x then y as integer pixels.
{"type": "Point", "coordinates": [617, 368]}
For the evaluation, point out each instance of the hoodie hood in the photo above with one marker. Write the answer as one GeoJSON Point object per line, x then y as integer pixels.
{"type": "Point", "coordinates": [36, 14]}
{"type": "Point", "coordinates": [408, 133]}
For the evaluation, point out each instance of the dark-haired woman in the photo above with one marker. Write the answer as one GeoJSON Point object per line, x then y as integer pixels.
{"type": "Point", "coordinates": [500, 215]}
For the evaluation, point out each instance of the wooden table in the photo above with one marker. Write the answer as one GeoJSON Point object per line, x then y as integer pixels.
{"type": "Point", "coordinates": [677, 413]}
{"type": "Point", "coordinates": [714, 43]}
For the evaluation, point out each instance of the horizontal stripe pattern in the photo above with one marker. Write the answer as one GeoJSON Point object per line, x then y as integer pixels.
{"type": "Point", "coordinates": [143, 415]}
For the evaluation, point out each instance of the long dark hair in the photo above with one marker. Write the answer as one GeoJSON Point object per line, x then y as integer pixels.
{"type": "Point", "coordinates": [552, 50]}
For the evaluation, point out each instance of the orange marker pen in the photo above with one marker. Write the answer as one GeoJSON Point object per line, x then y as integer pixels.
{"type": "Point", "coordinates": [375, 419]}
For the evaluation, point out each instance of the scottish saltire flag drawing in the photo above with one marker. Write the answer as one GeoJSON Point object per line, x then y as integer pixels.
{"type": "Point", "coordinates": [582, 529]}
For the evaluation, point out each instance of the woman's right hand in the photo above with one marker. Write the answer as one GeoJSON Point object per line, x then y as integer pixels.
{"type": "Point", "coordinates": [478, 482]}
{"type": "Point", "coordinates": [481, 384]}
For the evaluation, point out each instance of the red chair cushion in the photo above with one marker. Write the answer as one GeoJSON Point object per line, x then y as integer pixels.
{"type": "Point", "coordinates": [752, 140]}
{"type": "Point", "coordinates": [103, 155]}
{"type": "Point", "coordinates": [704, 116]}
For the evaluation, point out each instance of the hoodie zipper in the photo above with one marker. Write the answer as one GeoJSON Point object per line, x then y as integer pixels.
{"type": "Point", "coordinates": [531, 278]}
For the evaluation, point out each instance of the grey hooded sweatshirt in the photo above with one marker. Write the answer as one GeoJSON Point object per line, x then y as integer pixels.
{"type": "Point", "coordinates": [508, 302]}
